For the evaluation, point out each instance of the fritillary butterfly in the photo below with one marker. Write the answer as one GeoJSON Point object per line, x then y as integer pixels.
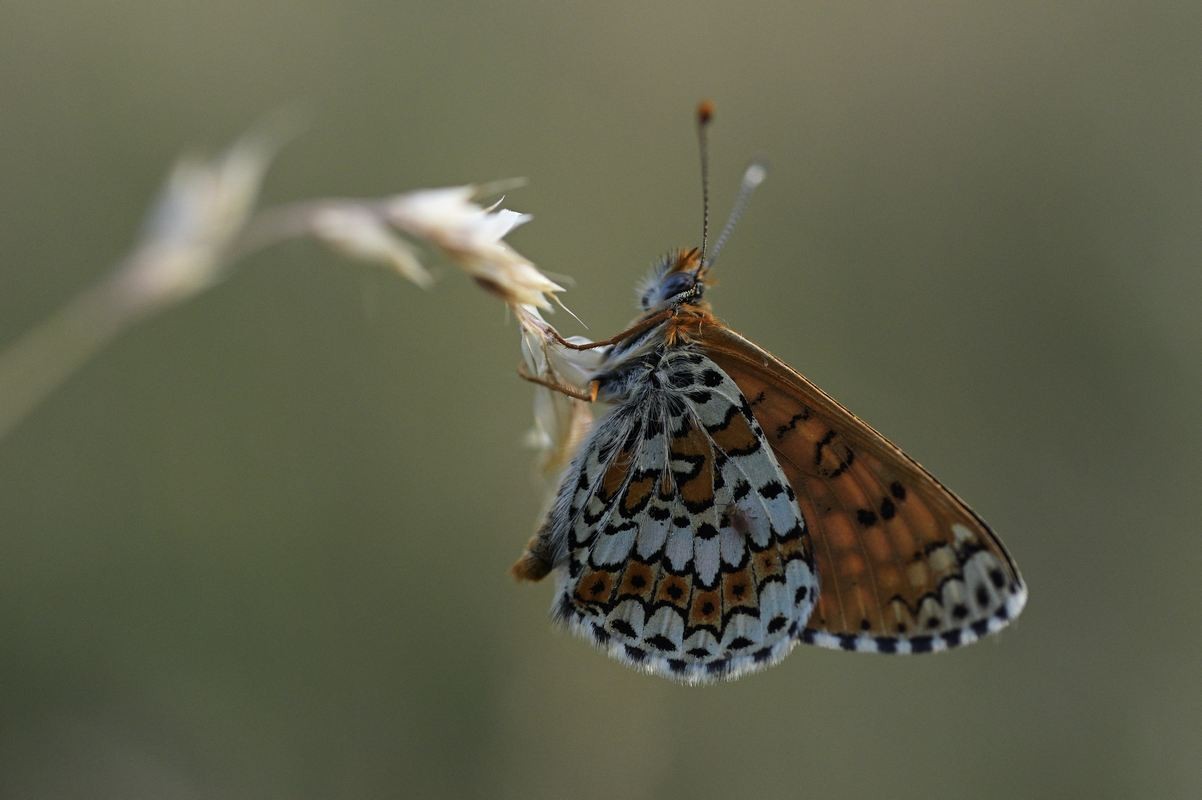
{"type": "Point", "coordinates": [725, 508]}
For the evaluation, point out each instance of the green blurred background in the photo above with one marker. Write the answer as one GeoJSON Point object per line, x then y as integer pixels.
{"type": "Point", "coordinates": [258, 548]}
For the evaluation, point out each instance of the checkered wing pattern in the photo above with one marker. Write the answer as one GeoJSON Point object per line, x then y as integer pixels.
{"type": "Point", "coordinates": [677, 537]}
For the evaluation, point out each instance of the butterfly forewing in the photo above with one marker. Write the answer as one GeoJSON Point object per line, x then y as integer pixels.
{"type": "Point", "coordinates": [686, 554]}
{"type": "Point", "coordinates": [904, 565]}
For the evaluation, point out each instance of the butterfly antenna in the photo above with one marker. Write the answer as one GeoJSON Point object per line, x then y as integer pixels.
{"type": "Point", "coordinates": [705, 112]}
{"type": "Point", "coordinates": [753, 176]}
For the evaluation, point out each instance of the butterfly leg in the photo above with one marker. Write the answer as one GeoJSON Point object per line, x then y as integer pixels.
{"type": "Point", "coordinates": [571, 391]}
{"type": "Point", "coordinates": [633, 330]}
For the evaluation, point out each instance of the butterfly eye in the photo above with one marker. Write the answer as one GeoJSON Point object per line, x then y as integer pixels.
{"type": "Point", "coordinates": [677, 284]}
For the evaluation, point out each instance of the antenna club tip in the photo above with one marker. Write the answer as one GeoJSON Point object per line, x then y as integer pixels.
{"type": "Point", "coordinates": [705, 112]}
{"type": "Point", "coordinates": [756, 172]}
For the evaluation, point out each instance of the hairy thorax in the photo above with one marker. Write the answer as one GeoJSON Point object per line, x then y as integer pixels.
{"type": "Point", "coordinates": [629, 367]}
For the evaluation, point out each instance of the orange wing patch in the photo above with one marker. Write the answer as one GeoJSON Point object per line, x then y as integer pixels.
{"type": "Point", "coordinates": [638, 494]}
{"type": "Point", "coordinates": [734, 436]}
{"type": "Point", "coordinates": [615, 475]}
{"type": "Point", "coordinates": [692, 462]}
{"type": "Point", "coordinates": [674, 591]}
{"type": "Point", "coordinates": [705, 611]}
{"type": "Point", "coordinates": [897, 554]}
{"type": "Point", "coordinates": [596, 587]}
{"type": "Point", "coordinates": [638, 580]}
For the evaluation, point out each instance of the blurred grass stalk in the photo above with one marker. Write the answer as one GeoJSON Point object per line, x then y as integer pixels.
{"type": "Point", "coordinates": [205, 221]}
{"type": "Point", "coordinates": [181, 252]}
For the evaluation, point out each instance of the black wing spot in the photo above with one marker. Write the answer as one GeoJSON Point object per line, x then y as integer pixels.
{"type": "Point", "coordinates": [718, 666]}
{"type": "Point", "coordinates": [566, 608]}
{"type": "Point", "coordinates": [623, 627]}
{"type": "Point", "coordinates": [897, 490]}
{"type": "Point", "coordinates": [695, 465]}
{"type": "Point", "coordinates": [792, 423]}
{"type": "Point", "coordinates": [887, 509]}
{"type": "Point", "coordinates": [661, 642]}
{"type": "Point", "coordinates": [711, 378]}
{"type": "Point", "coordinates": [731, 413]}
{"type": "Point", "coordinates": [982, 595]}
{"type": "Point", "coordinates": [865, 517]}
{"type": "Point", "coordinates": [844, 462]}
{"type": "Point", "coordinates": [823, 442]}
{"type": "Point", "coordinates": [771, 489]}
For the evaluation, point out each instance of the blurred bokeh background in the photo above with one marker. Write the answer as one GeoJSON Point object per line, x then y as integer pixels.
{"type": "Point", "coordinates": [258, 547]}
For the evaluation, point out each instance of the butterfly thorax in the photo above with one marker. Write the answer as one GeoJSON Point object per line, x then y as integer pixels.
{"type": "Point", "coordinates": [631, 364]}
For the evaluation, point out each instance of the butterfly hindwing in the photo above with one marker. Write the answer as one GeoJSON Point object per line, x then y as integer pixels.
{"type": "Point", "coordinates": [904, 565]}
{"type": "Point", "coordinates": [683, 551]}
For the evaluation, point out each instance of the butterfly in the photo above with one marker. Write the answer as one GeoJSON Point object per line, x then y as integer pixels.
{"type": "Point", "coordinates": [725, 508]}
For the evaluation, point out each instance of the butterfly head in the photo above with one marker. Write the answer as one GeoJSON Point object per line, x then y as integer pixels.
{"type": "Point", "coordinates": [680, 278]}
{"type": "Point", "coordinates": [676, 279]}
